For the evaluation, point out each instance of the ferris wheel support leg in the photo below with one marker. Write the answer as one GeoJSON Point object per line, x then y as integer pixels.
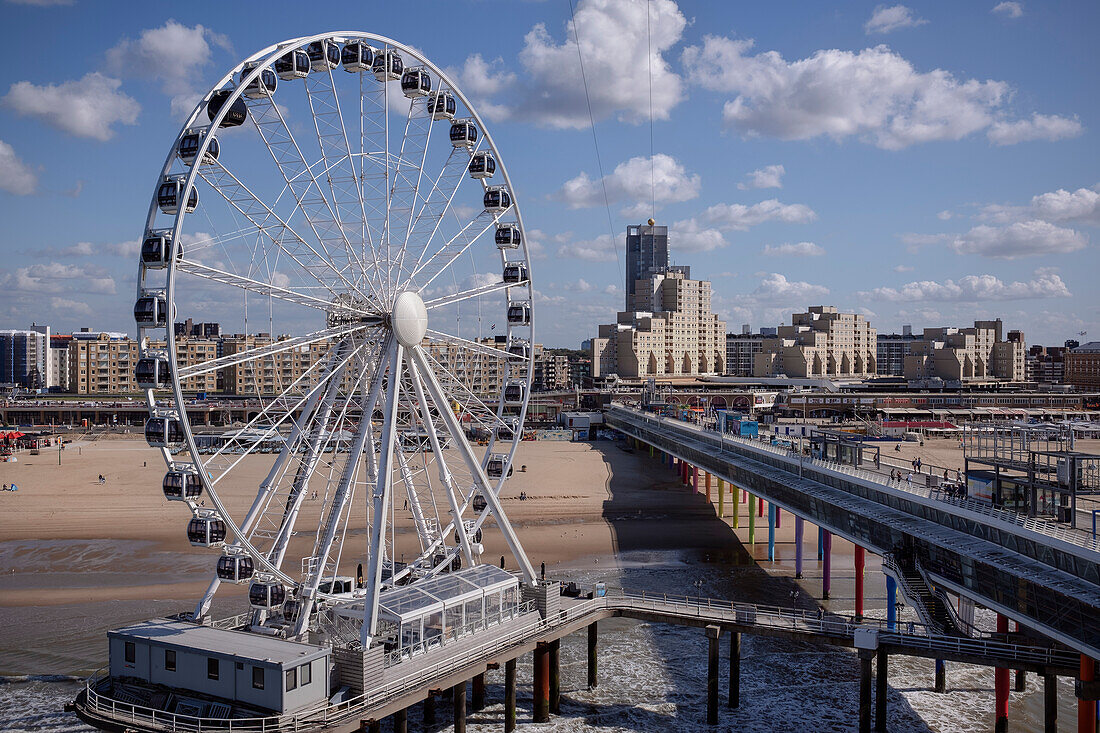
{"type": "Point", "coordinates": [444, 473]}
{"type": "Point", "coordinates": [475, 467]}
{"type": "Point", "coordinates": [203, 606]}
{"type": "Point", "coordinates": [414, 501]}
{"type": "Point", "coordinates": [380, 501]}
{"type": "Point", "coordinates": [339, 501]}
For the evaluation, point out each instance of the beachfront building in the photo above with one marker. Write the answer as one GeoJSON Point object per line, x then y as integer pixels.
{"type": "Point", "coordinates": [646, 255]}
{"type": "Point", "coordinates": [668, 330]}
{"type": "Point", "coordinates": [960, 354]}
{"type": "Point", "coordinates": [551, 372]}
{"type": "Point", "coordinates": [58, 378]}
{"type": "Point", "coordinates": [1083, 366]}
{"type": "Point", "coordinates": [102, 363]}
{"type": "Point", "coordinates": [191, 352]}
{"type": "Point", "coordinates": [276, 372]}
{"type": "Point", "coordinates": [892, 350]}
{"type": "Point", "coordinates": [24, 357]}
{"type": "Point", "coordinates": [822, 342]}
{"type": "Point", "coordinates": [741, 350]}
{"type": "Point", "coordinates": [1047, 364]}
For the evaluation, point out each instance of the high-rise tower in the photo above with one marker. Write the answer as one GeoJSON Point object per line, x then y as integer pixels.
{"type": "Point", "coordinates": [646, 255]}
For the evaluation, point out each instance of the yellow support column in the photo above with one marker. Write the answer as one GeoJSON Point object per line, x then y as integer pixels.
{"type": "Point", "coordinates": [706, 482]}
{"type": "Point", "coordinates": [752, 519]}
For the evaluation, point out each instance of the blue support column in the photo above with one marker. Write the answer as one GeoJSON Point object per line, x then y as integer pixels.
{"type": "Point", "coordinates": [891, 603]}
{"type": "Point", "coordinates": [820, 544]}
{"type": "Point", "coordinates": [771, 531]}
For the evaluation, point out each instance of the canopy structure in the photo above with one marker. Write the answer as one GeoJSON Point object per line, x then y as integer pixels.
{"type": "Point", "coordinates": [431, 612]}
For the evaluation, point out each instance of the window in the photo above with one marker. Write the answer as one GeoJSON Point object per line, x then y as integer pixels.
{"type": "Point", "coordinates": [131, 652]}
{"type": "Point", "coordinates": [170, 660]}
{"type": "Point", "coordinates": [211, 668]}
{"type": "Point", "coordinates": [305, 674]}
{"type": "Point", "coordinates": [258, 678]}
{"type": "Point", "coordinates": [291, 679]}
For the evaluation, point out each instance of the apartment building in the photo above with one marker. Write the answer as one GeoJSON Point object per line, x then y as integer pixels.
{"type": "Point", "coordinates": [822, 342]}
{"type": "Point", "coordinates": [960, 354]}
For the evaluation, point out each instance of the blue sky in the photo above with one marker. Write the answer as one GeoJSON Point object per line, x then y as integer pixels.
{"type": "Point", "coordinates": [927, 164]}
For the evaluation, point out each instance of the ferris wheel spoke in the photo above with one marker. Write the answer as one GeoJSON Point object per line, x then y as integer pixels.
{"type": "Point", "coordinates": [474, 465]}
{"type": "Point", "coordinates": [408, 174]}
{"type": "Point", "coordinates": [471, 402]}
{"type": "Point", "coordinates": [290, 344]}
{"type": "Point", "coordinates": [473, 346]}
{"type": "Point", "coordinates": [255, 286]}
{"type": "Point", "coordinates": [471, 293]}
{"type": "Point", "coordinates": [442, 259]}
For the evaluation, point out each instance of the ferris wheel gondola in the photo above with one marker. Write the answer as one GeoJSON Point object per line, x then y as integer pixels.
{"type": "Point", "coordinates": [377, 249]}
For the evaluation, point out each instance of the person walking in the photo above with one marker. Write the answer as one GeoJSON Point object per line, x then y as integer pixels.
{"type": "Point", "coordinates": [909, 479]}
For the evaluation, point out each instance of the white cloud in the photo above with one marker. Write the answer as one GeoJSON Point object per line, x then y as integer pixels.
{"type": "Point", "coordinates": [630, 181]}
{"type": "Point", "coordinates": [1039, 127]}
{"type": "Point", "coordinates": [600, 249]}
{"type": "Point", "coordinates": [886, 19]}
{"type": "Point", "coordinates": [481, 80]}
{"type": "Point", "coordinates": [691, 236]}
{"type": "Point", "coordinates": [741, 217]}
{"type": "Point", "coordinates": [617, 61]}
{"type": "Point", "coordinates": [800, 249]}
{"type": "Point", "coordinates": [1020, 239]}
{"type": "Point", "coordinates": [86, 107]}
{"type": "Point", "coordinates": [874, 95]}
{"type": "Point", "coordinates": [130, 248]}
{"type": "Point", "coordinates": [70, 307]}
{"type": "Point", "coordinates": [15, 176]}
{"type": "Point", "coordinates": [581, 286]}
{"type": "Point", "coordinates": [55, 277]}
{"type": "Point", "coordinates": [1082, 205]}
{"type": "Point", "coordinates": [903, 268]}
{"type": "Point", "coordinates": [172, 54]}
{"type": "Point", "coordinates": [1045, 283]}
{"type": "Point", "coordinates": [535, 243]}
{"type": "Point", "coordinates": [770, 176]}
{"type": "Point", "coordinates": [776, 287]}
{"type": "Point", "coordinates": [1009, 9]}
{"type": "Point", "coordinates": [944, 215]}
{"type": "Point", "coordinates": [923, 240]}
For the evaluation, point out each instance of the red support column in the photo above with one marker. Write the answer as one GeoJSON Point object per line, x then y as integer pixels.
{"type": "Point", "coordinates": [542, 682]}
{"type": "Point", "coordinates": [861, 560]}
{"type": "Point", "coordinates": [778, 517]}
{"type": "Point", "coordinates": [1086, 709]}
{"type": "Point", "coordinates": [1000, 684]}
{"type": "Point", "coordinates": [706, 482]}
{"type": "Point", "coordinates": [759, 507]}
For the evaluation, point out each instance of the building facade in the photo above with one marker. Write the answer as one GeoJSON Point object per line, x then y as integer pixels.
{"type": "Point", "coordinates": [822, 342]}
{"type": "Point", "coordinates": [960, 354]}
{"type": "Point", "coordinates": [102, 363]}
{"type": "Point", "coordinates": [892, 349]}
{"type": "Point", "coordinates": [646, 254]}
{"type": "Point", "coordinates": [1083, 366]}
{"type": "Point", "coordinates": [24, 357]}
{"type": "Point", "coordinates": [741, 351]}
{"type": "Point", "coordinates": [551, 372]}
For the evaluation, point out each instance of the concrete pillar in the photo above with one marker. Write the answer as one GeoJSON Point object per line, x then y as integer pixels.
{"type": "Point", "coordinates": [891, 603]}
{"type": "Point", "coordinates": [429, 710]}
{"type": "Point", "coordinates": [1000, 685]}
{"type": "Point", "coordinates": [735, 669]}
{"type": "Point", "coordinates": [509, 696]}
{"type": "Point", "coordinates": [373, 726]}
{"type": "Point", "coordinates": [865, 690]}
{"type": "Point", "coordinates": [861, 561]}
{"type": "Point", "coordinates": [592, 631]}
{"type": "Point", "coordinates": [713, 633]}
{"type": "Point", "coordinates": [1021, 681]}
{"type": "Point", "coordinates": [1050, 703]}
{"type": "Point", "coordinates": [459, 696]}
{"type": "Point", "coordinates": [401, 721]}
{"type": "Point", "coordinates": [941, 676]}
{"type": "Point", "coordinates": [1086, 709]}
{"type": "Point", "coordinates": [752, 519]}
{"type": "Point", "coordinates": [555, 676]}
{"type": "Point", "coordinates": [771, 532]}
{"type": "Point", "coordinates": [827, 568]}
{"type": "Point", "coordinates": [541, 690]}
{"type": "Point", "coordinates": [721, 498]}
{"type": "Point", "coordinates": [799, 530]}
{"type": "Point", "coordinates": [706, 483]}
{"type": "Point", "coordinates": [880, 691]}
{"type": "Point", "coordinates": [736, 506]}
{"type": "Point", "coordinates": [477, 701]}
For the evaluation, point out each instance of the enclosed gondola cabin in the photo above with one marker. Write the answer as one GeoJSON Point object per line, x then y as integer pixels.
{"type": "Point", "coordinates": [235, 567]}
{"type": "Point", "coordinates": [205, 531]}
{"type": "Point", "coordinates": [156, 249]}
{"type": "Point", "coordinates": [441, 106]}
{"type": "Point", "coordinates": [357, 57]}
{"type": "Point", "coordinates": [519, 349]}
{"type": "Point", "coordinates": [151, 311]}
{"type": "Point", "coordinates": [479, 503]}
{"type": "Point", "coordinates": [170, 193]}
{"type": "Point", "coordinates": [519, 314]}
{"type": "Point", "coordinates": [416, 83]}
{"type": "Point", "coordinates": [515, 272]}
{"type": "Point", "coordinates": [266, 595]}
{"type": "Point", "coordinates": [463, 133]}
{"type": "Point", "coordinates": [181, 485]}
{"type": "Point", "coordinates": [153, 372]}
{"type": "Point", "coordinates": [292, 65]}
{"type": "Point", "coordinates": [494, 467]}
{"type": "Point", "coordinates": [497, 199]}
{"type": "Point", "coordinates": [388, 65]}
{"type": "Point", "coordinates": [513, 393]}
{"type": "Point", "coordinates": [473, 535]}
{"type": "Point", "coordinates": [235, 116]}
{"type": "Point", "coordinates": [482, 165]}
{"type": "Point", "coordinates": [188, 148]}
{"type": "Point", "coordinates": [163, 432]}
{"type": "Point", "coordinates": [507, 236]}
{"type": "Point", "coordinates": [262, 86]}
{"type": "Point", "coordinates": [505, 432]}
{"type": "Point", "coordinates": [323, 55]}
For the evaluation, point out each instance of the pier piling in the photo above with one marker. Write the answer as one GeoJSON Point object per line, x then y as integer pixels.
{"type": "Point", "coordinates": [891, 603]}
{"type": "Point", "coordinates": [735, 670]}
{"type": "Point", "coordinates": [1050, 703]}
{"type": "Point", "coordinates": [827, 563]}
{"type": "Point", "coordinates": [458, 693]}
{"type": "Point", "coordinates": [1000, 685]}
{"type": "Point", "coordinates": [477, 701]}
{"type": "Point", "coordinates": [941, 676]}
{"type": "Point", "coordinates": [509, 696]}
{"type": "Point", "coordinates": [880, 691]}
{"type": "Point", "coordinates": [429, 709]}
{"type": "Point", "coordinates": [592, 635]}
{"type": "Point", "coordinates": [865, 656]}
{"type": "Point", "coordinates": [401, 721]}
{"type": "Point", "coordinates": [555, 676]}
{"type": "Point", "coordinates": [713, 632]}
{"type": "Point", "coordinates": [861, 561]}
{"type": "Point", "coordinates": [542, 682]}
{"type": "Point", "coordinates": [799, 529]}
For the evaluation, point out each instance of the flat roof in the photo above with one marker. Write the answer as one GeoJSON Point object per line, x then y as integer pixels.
{"type": "Point", "coordinates": [445, 590]}
{"type": "Point", "coordinates": [222, 642]}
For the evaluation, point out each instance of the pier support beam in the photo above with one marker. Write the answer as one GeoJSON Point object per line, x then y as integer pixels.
{"type": "Point", "coordinates": [736, 506]}
{"type": "Point", "coordinates": [1086, 709]}
{"type": "Point", "coordinates": [1000, 685]}
{"type": "Point", "coordinates": [799, 529]}
{"type": "Point", "coordinates": [477, 701]}
{"type": "Point", "coordinates": [880, 691]}
{"type": "Point", "coordinates": [861, 561]}
{"type": "Point", "coordinates": [827, 563]}
{"type": "Point", "coordinates": [555, 676]}
{"type": "Point", "coordinates": [713, 633]}
{"type": "Point", "coordinates": [401, 721]}
{"type": "Point", "coordinates": [865, 656]}
{"type": "Point", "coordinates": [735, 670]}
{"type": "Point", "coordinates": [706, 484]}
{"type": "Point", "coordinates": [695, 479]}
{"type": "Point", "coordinates": [1050, 703]}
{"type": "Point", "coordinates": [891, 603]}
{"type": "Point", "coordinates": [1020, 681]}
{"type": "Point", "coordinates": [592, 635]}
{"type": "Point", "coordinates": [752, 519]}
{"type": "Point", "coordinates": [429, 710]}
{"type": "Point", "coordinates": [771, 532]}
{"type": "Point", "coordinates": [820, 544]}
{"type": "Point", "coordinates": [458, 693]}
{"type": "Point", "coordinates": [371, 726]}
{"type": "Point", "coordinates": [941, 676]}
{"type": "Point", "coordinates": [509, 696]}
{"type": "Point", "coordinates": [542, 682]}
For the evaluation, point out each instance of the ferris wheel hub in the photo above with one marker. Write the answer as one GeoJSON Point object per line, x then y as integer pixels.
{"type": "Point", "coordinates": [409, 319]}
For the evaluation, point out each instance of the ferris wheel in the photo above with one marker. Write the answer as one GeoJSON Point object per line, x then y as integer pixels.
{"type": "Point", "coordinates": [338, 199]}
